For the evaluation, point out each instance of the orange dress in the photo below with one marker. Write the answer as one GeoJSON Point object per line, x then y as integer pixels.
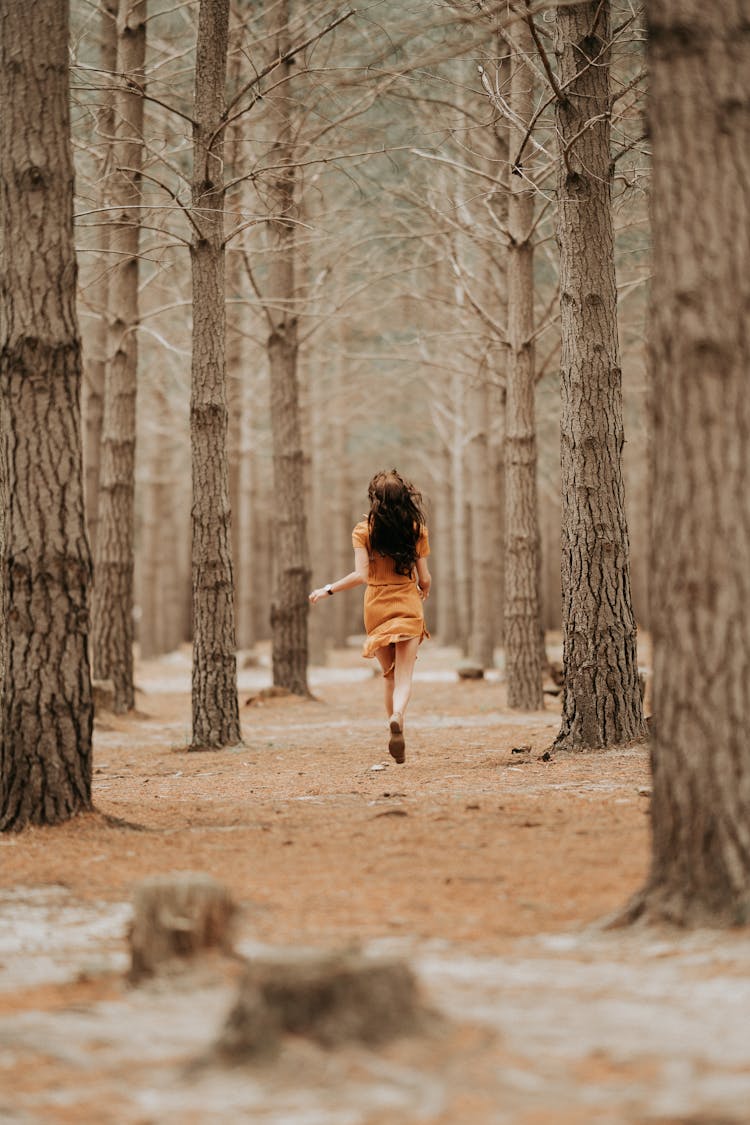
{"type": "Point", "coordinates": [393, 607]}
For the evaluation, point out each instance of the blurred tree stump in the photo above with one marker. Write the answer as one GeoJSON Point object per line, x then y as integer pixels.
{"type": "Point", "coordinates": [331, 999]}
{"type": "Point", "coordinates": [176, 917]}
{"type": "Point", "coordinates": [103, 692]}
{"type": "Point", "coordinates": [468, 670]}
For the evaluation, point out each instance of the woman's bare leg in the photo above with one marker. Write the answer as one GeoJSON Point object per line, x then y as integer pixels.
{"type": "Point", "coordinates": [386, 657]}
{"type": "Point", "coordinates": [406, 655]}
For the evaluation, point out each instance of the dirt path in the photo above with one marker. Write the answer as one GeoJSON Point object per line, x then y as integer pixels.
{"type": "Point", "coordinates": [487, 868]}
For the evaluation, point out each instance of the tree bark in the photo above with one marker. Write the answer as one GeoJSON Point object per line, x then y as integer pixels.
{"type": "Point", "coordinates": [113, 628]}
{"type": "Point", "coordinates": [523, 653]}
{"type": "Point", "coordinates": [290, 607]}
{"type": "Point", "coordinates": [602, 700]}
{"type": "Point", "coordinates": [95, 365]}
{"type": "Point", "coordinates": [699, 354]}
{"type": "Point", "coordinates": [214, 691]}
{"type": "Point", "coordinates": [46, 711]}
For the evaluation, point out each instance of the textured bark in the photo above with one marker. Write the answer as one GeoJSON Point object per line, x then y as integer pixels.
{"type": "Point", "coordinates": [95, 364]}
{"type": "Point", "coordinates": [113, 591]}
{"type": "Point", "coordinates": [523, 653]}
{"type": "Point", "coordinates": [215, 705]}
{"type": "Point", "coordinates": [602, 700]}
{"type": "Point", "coordinates": [46, 711]}
{"type": "Point", "coordinates": [290, 607]}
{"type": "Point", "coordinates": [699, 352]}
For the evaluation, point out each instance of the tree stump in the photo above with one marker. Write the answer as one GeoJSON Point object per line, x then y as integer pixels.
{"type": "Point", "coordinates": [331, 999]}
{"type": "Point", "coordinates": [176, 917]}
{"type": "Point", "coordinates": [468, 670]}
{"type": "Point", "coordinates": [103, 692]}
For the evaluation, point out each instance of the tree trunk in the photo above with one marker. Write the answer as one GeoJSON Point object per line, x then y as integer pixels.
{"type": "Point", "coordinates": [341, 516]}
{"type": "Point", "coordinates": [215, 706]}
{"type": "Point", "coordinates": [602, 700]}
{"type": "Point", "coordinates": [460, 527]}
{"type": "Point", "coordinates": [290, 607]}
{"type": "Point", "coordinates": [523, 663]}
{"type": "Point", "coordinates": [700, 553]}
{"type": "Point", "coordinates": [47, 713]}
{"type": "Point", "coordinates": [482, 640]}
{"type": "Point", "coordinates": [96, 364]}
{"type": "Point", "coordinates": [239, 400]}
{"type": "Point", "coordinates": [113, 591]}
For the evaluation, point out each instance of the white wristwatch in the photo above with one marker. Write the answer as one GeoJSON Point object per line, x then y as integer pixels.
{"type": "Point", "coordinates": [329, 588]}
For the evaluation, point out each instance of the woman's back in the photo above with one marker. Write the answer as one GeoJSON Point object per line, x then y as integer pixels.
{"type": "Point", "coordinates": [382, 571]}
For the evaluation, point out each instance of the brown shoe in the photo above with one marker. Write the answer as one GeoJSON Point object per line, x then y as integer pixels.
{"type": "Point", "coordinates": [397, 743]}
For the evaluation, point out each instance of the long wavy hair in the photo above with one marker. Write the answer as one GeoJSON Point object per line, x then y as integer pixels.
{"type": "Point", "coordinates": [395, 520]}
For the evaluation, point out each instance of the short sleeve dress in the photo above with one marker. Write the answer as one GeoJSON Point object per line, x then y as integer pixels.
{"type": "Point", "coordinates": [393, 607]}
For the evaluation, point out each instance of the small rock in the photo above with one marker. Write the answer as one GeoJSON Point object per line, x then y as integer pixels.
{"type": "Point", "coordinates": [546, 756]}
{"type": "Point", "coordinates": [377, 767]}
{"type": "Point", "coordinates": [525, 749]}
{"type": "Point", "coordinates": [645, 791]}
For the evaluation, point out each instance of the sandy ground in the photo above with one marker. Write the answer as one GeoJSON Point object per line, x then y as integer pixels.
{"type": "Point", "coordinates": [488, 870]}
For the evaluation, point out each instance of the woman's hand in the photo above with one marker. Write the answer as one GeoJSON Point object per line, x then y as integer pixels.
{"type": "Point", "coordinates": [316, 595]}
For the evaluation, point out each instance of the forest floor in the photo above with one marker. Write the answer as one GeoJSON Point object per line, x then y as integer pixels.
{"type": "Point", "coordinates": [490, 871]}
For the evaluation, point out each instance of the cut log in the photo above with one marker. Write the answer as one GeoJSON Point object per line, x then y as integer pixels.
{"type": "Point", "coordinates": [103, 692]}
{"type": "Point", "coordinates": [176, 917]}
{"type": "Point", "coordinates": [468, 670]}
{"type": "Point", "coordinates": [330, 999]}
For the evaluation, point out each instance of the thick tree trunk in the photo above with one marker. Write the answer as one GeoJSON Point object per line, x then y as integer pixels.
{"type": "Point", "coordinates": [46, 710]}
{"type": "Point", "coordinates": [215, 706]}
{"type": "Point", "coordinates": [602, 700]}
{"type": "Point", "coordinates": [96, 364]}
{"type": "Point", "coordinates": [523, 653]}
{"type": "Point", "coordinates": [113, 600]}
{"type": "Point", "coordinates": [290, 607]}
{"type": "Point", "coordinates": [699, 113]}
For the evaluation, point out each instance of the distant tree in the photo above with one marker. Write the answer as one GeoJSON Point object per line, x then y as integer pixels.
{"type": "Point", "coordinates": [523, 650]}
{"type": "Point", "coordinates": [113, 625]}
{"type": "Point", "coordinates": [215, 705]}
{"type": "Point", "coordinates": [46, 709]}
{"type": "Point", "coordinates": [699, 356]}
{"type": "Point", "coordinates": [602, 701]}
{"type": "Point", "coordinates": [289, 608]}
{"type": "Point", "coordinates": [95, 363]}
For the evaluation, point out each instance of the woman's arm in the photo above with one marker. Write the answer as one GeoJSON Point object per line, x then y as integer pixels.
{"type": "Point", "coordinates": [358, 577]}
{"type": "Point", "coordinates": [424, 578]}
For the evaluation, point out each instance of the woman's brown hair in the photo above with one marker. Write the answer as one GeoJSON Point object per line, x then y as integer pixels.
{"type": "Point", "coordinates": [396, 519]}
